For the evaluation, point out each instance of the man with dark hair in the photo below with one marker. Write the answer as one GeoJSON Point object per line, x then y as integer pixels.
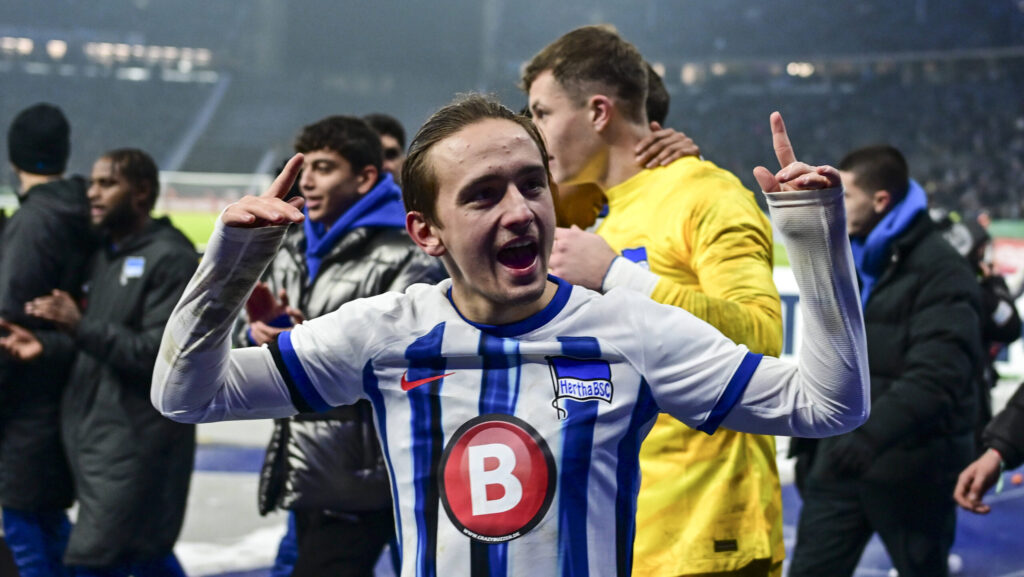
{"type": "Point", "coordinates": [45, 246]}
{"type": "Point", "coordinates": [131, 467]}
{"type": "Point", "coordinates": [327, 469]}
{"type": "Point", "coordinates": [511, 404]}
{"type": "Point", "coordinates": [392, 142]}
{"type": "Point", "coordinates": [687, 235]}
{"type": "Point", "coordinates": [895, 474]}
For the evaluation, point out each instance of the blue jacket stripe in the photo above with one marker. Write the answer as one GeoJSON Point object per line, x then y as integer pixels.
{"type": "Point", "coordinates": [627, 477]}
{"type": "Point", "coordinates": [577, 447]}
{"type": "Point", "coordinates": [733, 391]}
{"type": "Point", "coordinates": [372, 388]}
{"type": "Point", "coordinates": [303, 383]}
{"type": "Point", "coordinates": [425, 361]}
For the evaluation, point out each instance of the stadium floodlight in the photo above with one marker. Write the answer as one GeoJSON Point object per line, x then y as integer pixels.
{"type": "Point", "coordinates": [689, 73]}
{"type": "Point", "coordinates": [56, 49]}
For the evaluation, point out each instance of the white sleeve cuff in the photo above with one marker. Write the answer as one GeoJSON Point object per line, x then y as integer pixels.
{"type": "Point", "coordinates": [626, 273]}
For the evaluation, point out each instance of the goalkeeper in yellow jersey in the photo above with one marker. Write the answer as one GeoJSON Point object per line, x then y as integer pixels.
{"type": "Point", "coordinates": [687, 234]}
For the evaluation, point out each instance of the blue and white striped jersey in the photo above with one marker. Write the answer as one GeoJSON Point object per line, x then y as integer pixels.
{"type": "Point", "coordinates": [513, 449]}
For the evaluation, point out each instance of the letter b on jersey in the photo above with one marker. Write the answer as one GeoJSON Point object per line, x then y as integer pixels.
{"type": "Point", "coordinates": [497, 478]}
{"type": "Point", "coordinates": [480, 478]}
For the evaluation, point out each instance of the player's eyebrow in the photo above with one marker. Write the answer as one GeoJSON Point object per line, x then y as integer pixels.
{"type": "Point", "coordinates": [530, 169]}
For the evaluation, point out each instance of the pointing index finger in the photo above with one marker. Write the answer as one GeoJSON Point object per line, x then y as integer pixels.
{"type": "Point", "coordinates": [780, 139]}
{"type": "Point", "coordinates": [283, 183]}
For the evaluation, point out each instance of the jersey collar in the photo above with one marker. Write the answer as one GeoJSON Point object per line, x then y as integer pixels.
{"type": "Point", "coordinates": [530, 323]}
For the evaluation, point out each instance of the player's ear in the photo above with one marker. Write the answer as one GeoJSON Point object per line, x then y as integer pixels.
{"type": "Point", "coordinates": [600, 111]}
{"type": "Point", "coordinates": [424, 234]}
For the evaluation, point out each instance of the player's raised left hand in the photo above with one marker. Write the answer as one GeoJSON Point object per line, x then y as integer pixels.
{"type": "Point", "coordinates": [269, 208]}
{"type": "Point", "coordinates": [794, 175]}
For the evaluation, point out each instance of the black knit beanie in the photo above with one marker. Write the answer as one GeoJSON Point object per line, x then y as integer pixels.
{"type": "Point", "coordinates": [39, 140]}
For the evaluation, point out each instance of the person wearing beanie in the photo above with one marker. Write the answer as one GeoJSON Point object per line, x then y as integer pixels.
{"type": "Point", "coordinates": [39, 140]}
{"type": "Point", "coordinates": [44, 246]}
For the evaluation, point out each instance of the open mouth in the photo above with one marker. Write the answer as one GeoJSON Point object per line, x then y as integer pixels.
{"type": "Point", "coordinates": [520, 254]}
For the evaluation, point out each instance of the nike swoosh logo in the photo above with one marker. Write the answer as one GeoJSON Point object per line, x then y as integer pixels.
{"type": "Point", "coordinates": [410, 385]}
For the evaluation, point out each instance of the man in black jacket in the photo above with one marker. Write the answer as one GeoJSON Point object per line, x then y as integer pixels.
{"type": "Point", "coordinates": [895, 474]}
{"type": "Point", "coordinates": [327, 468]}
{"type": "Point", "coordinates": [131, 467]}
{"type": "Point", "coordinates": [1004, 442]}
{"type": "Point", "coordinates": [45, 246]}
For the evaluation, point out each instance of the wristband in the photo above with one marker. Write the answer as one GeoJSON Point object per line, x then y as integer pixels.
{"type": "Point", "coordinates": [626, 273]}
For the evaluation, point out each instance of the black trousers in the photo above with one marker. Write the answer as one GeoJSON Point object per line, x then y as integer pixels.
{"type": "Point", "coordinates": [341, 544]}
{"type": "Point", "coordinates": [7, 568]}
{"type": "Point", "coordinates": [916, 522]}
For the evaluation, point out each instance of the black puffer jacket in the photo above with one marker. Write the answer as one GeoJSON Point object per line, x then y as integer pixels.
{"type": "Point", "coordinates": [924, 351]}
{"type": "Point", "coordinates": [45, 245]}
{"type": "Point", "coordinates": [332, 460]}
{"type": "Point", "coordinates": [1006, 431]}
{"type": "Point", "coordinates": [131, 466]}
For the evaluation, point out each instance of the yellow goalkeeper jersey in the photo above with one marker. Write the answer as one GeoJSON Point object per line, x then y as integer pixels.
{"type": "Point", "coordinates": [707, 503]}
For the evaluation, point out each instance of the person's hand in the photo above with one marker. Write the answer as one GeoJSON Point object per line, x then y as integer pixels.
{"type": "Point", "coordinates": [663, 146]}
{"type": "Point", "coordinates": [794, 175]}
{"type": "Point", "coordinates": [580, 257]}
{"type": "Point", "coordinates": [262, 306]}
{"type": "Point", "coordinates": [269, 208]}
{"type": "Point", "coordinates": [58, 308]}
{"type": "Point", "coordinates": [852, 456]}
{"type": "Point", "coordinates": [976, 480]}
{"type": "Point", "coordinates": [263, 334]}
{"type": "Point", "coordinates": [265, 312]}
{"type": "Point", "coordinates": [19, 342]}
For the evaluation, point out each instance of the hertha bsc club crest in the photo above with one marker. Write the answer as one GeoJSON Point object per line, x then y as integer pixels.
{"type": "Point", "coordinates": [579, 380]}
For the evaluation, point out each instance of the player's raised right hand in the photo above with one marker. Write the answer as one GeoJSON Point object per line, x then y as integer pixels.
{"type": "Point", "coordinates": [269, 208]}
{"type": "Point", "coordinates": [794, 175]}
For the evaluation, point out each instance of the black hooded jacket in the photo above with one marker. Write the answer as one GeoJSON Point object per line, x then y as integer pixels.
{"type": "Point", "coordinates": [131, 466]}
{"type": "Point", "coordinates": [924, 350]}
{"type": "Point", "coordinates": [45, 245]}
{"type": "Point", "coordinates": [1006, 431]}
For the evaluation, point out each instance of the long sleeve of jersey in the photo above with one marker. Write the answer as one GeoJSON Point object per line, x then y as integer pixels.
{"type": "Point", "coordinates": [828, 391]}
{"type": "Point", "coordinates": [197, 378]}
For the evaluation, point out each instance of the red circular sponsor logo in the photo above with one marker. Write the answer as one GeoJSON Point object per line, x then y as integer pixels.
{"type": "Point", "coordinates": [497, 478]}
